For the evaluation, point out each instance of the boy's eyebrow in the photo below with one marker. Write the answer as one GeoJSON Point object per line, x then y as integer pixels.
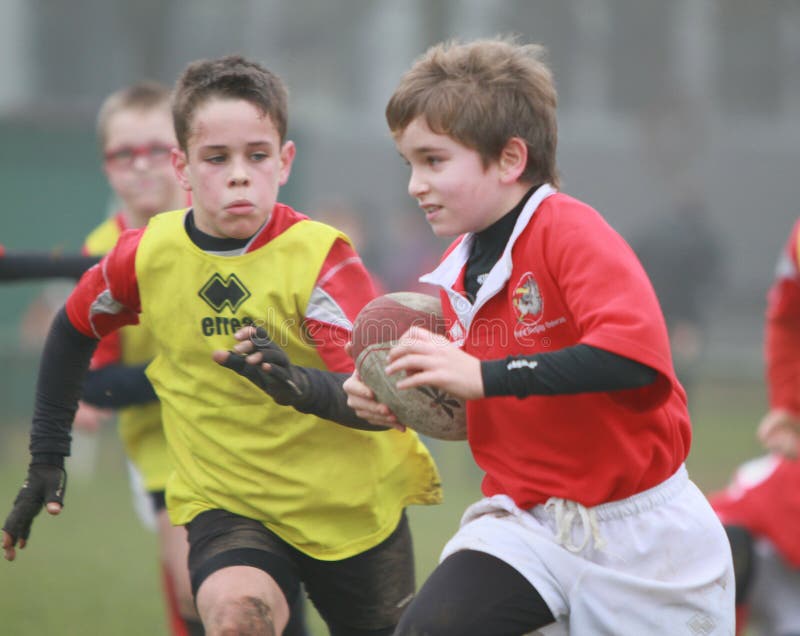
{"type": "Point", "coordinates": [422, 150]}
{"type": "Point", "coordinates": [265, 142]}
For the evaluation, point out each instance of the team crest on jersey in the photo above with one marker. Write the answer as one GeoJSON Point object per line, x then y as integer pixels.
{"type": "Point", "coordinates": [527, 301]}
{"type": "Point", "coordinates": [221, 292]}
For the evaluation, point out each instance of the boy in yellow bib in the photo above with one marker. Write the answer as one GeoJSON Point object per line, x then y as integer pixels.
{"type": "Point", "coordinates": [272, 495]}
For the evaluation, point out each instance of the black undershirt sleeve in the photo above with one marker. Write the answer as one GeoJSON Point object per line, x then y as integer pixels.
{"type": "Point", "coordinates": [117, 385]}
{"type": "Point", "coordinates": [327, 399]}
{"type": "Point", "coordinates": [64, 362]}
{"type": "Point", "coordinates": [577, 369]}
{"type": "Point", "coordinates": [34, 266]}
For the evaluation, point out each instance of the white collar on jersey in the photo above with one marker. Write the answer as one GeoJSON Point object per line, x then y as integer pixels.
{"type": "Point", "coordinates": [446, 274]}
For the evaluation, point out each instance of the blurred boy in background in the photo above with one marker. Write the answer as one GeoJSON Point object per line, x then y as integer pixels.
{"type": "Point", "coordinates": [761, 506]}
{"type": "Point", "coordinates": [136, 137]}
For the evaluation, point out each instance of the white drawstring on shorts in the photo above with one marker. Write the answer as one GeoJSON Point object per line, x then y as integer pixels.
{"type": "Point", "coordinates": [566, 512]}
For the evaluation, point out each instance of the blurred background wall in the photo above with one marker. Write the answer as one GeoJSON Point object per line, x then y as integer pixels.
{"type": "Point", "coordinates": [674, 115]}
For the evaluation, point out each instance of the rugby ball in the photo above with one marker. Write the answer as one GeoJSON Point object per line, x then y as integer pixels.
{"type": "Point", "coordinates": [377, 328]}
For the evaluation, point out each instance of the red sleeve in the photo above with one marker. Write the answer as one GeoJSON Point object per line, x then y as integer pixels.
{"type": "Point", "coordinates": [609, 295]}
{"type": "Point", "coordinates": [107, 295]}
{"type": "Point", "coordinates": [343, 287]}
{"type": "Point", "coordinates": [782, 330]}
{"type": "Point", "coordinates": [606, 289]}
{"type": "Point", "coordinates": [109, 351]}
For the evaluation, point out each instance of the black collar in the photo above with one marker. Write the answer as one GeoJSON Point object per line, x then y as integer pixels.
{"type": "Point", "coordinates": [209, 243]}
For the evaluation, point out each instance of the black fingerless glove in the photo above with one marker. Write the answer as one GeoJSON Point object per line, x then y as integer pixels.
{"type": "Point", "coordinates": [45, 483]}
{"type": "Point", "coordinates": [286, 383]}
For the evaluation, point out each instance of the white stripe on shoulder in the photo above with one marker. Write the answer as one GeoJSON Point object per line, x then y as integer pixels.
{"type": "Point", "coordinates": [104, 304]}
{"type": "Point", "coordinates": [337, 268]}
{"type": "Point", "coordinates": [323, 308]}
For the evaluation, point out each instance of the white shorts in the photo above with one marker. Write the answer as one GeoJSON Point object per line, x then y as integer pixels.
{"type": "Point", "coordinates": [656, 563]}
{"type": "Point", "coordinates": [142, 502]}
{"type": "Point", "coordinates": [773, 598]}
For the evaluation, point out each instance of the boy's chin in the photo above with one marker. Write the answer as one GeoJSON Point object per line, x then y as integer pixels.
{"type": "Point", "coordinates": [242, 228]}
{"type": "Point", "coordinates": [444, 232]}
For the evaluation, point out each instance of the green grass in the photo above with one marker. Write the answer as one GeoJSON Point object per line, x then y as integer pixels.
{"type": "Point", "coordinates": [93, 570]}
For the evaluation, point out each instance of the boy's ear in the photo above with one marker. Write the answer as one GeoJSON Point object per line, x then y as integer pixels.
{"type": "Point", "coordinates": [513, 159]}
{"type": "Point", "coordinates": [181, 166]}
{"type": "Point", "coordinates": [288, 151]}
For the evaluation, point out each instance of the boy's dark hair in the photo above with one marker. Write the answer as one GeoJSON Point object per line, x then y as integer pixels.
{"type": "Point", "coordinates": [230, 77]}
{"type": "Point", "coordinates": [144, 96]}
{"type": "Point", "coordinates": [482, 94]}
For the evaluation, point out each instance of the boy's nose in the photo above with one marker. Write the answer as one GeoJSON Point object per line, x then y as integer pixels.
{"type": "Point", "coordinates": [416, 186]}
{"type": "Point", "coordinates": [238, 175]}
{"type": "Point", "coordinates": [141, 162]}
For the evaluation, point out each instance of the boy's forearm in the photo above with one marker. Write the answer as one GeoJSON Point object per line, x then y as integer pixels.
{"type": "Point", "coordinates": [116, 386]}
{"type": "Point", "coordinates": [577, 369]}
{"type": "Point", "coordinates": [20, 266]}
{"type": "Point", "coordinates": [325, 398]}
{"type": "Point", "coordinates": [64, 362]}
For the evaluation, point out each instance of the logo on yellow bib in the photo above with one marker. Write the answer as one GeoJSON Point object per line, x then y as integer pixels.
{"type": "Point", "coordinates": [221, 292]}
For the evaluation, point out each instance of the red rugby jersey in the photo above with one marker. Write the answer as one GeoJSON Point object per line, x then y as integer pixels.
{"type": "Point", "coordinates": [763, 495]}
{"type": "Point", "coordinates": [565, 278]}
{"type": "Point", "coordinates": [782, 330]}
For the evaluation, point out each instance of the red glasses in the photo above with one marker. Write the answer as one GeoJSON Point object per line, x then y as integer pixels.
{"type": "Point", "coordinates": [125, 156]}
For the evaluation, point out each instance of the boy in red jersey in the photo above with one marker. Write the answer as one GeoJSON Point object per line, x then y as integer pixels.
{"type": "Point", "coordinates": [272, 496]}
{"type": "Point", "coordinates": [761, 506]}
{"type": "Point", "coordinates": [590, 524]}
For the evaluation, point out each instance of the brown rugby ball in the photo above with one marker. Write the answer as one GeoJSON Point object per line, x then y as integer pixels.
{"type": "Point", "coordinates": [426, 409]}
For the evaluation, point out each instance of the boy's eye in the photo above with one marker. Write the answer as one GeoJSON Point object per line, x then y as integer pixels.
{"type": "Point", "coordinates": [259, 156]}
{"type": "Point", "coordinates": [432, 161]}
{"type": "Point", "coordinates": [159, 152]}
{"type": "Point", "coordinates": [124, 155]}
{"type": "Point", "coordinates": [215, 159]}
{"type": "Point", "coordinates": [156, 154]}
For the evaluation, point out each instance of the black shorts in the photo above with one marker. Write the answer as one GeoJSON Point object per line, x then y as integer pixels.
{"type": "Point", "coordinates": [363, 594]}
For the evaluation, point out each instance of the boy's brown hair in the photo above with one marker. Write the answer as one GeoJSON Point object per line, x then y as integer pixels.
{"type": "Point", "coordinates": [230, 77]}
{"type": "Point", "coordinates": [143, 96]}
{"type": "Point", "coordinates": [482, 94]}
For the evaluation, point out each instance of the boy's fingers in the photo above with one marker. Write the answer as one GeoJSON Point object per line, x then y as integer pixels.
{"type": "Point", "coordinates": [245, 333]}
{"type": "Point", "coordinates": [356, 388]}
{"type": "Point", "coordinates": [411, 363]}
{"type": "Point", "coordinates": [8, 546]}
{"type": "Point", "coordinates": [230, 360]}
{"type": "Point", "coordinates": [255, 358]}
{"type": "Point", "coordinates": [220, 356]}
{"type": "Point", "coordinates": [245, 346]}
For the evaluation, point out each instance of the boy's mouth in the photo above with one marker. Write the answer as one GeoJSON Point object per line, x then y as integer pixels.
{"type": "Point", "coordinates": [241, 206]}
{"type": "Point", "coordinates": [431, 211]}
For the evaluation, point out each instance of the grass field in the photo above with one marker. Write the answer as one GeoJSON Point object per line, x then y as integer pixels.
{"type": "Point", "coordinates": [93, 570]}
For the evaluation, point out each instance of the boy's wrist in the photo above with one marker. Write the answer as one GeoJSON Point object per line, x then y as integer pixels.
{"type": "Point", "coordinates": [49, 459]}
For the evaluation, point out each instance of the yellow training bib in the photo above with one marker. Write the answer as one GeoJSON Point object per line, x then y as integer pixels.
{"type": "Point", "coordinates": [330, 491]}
